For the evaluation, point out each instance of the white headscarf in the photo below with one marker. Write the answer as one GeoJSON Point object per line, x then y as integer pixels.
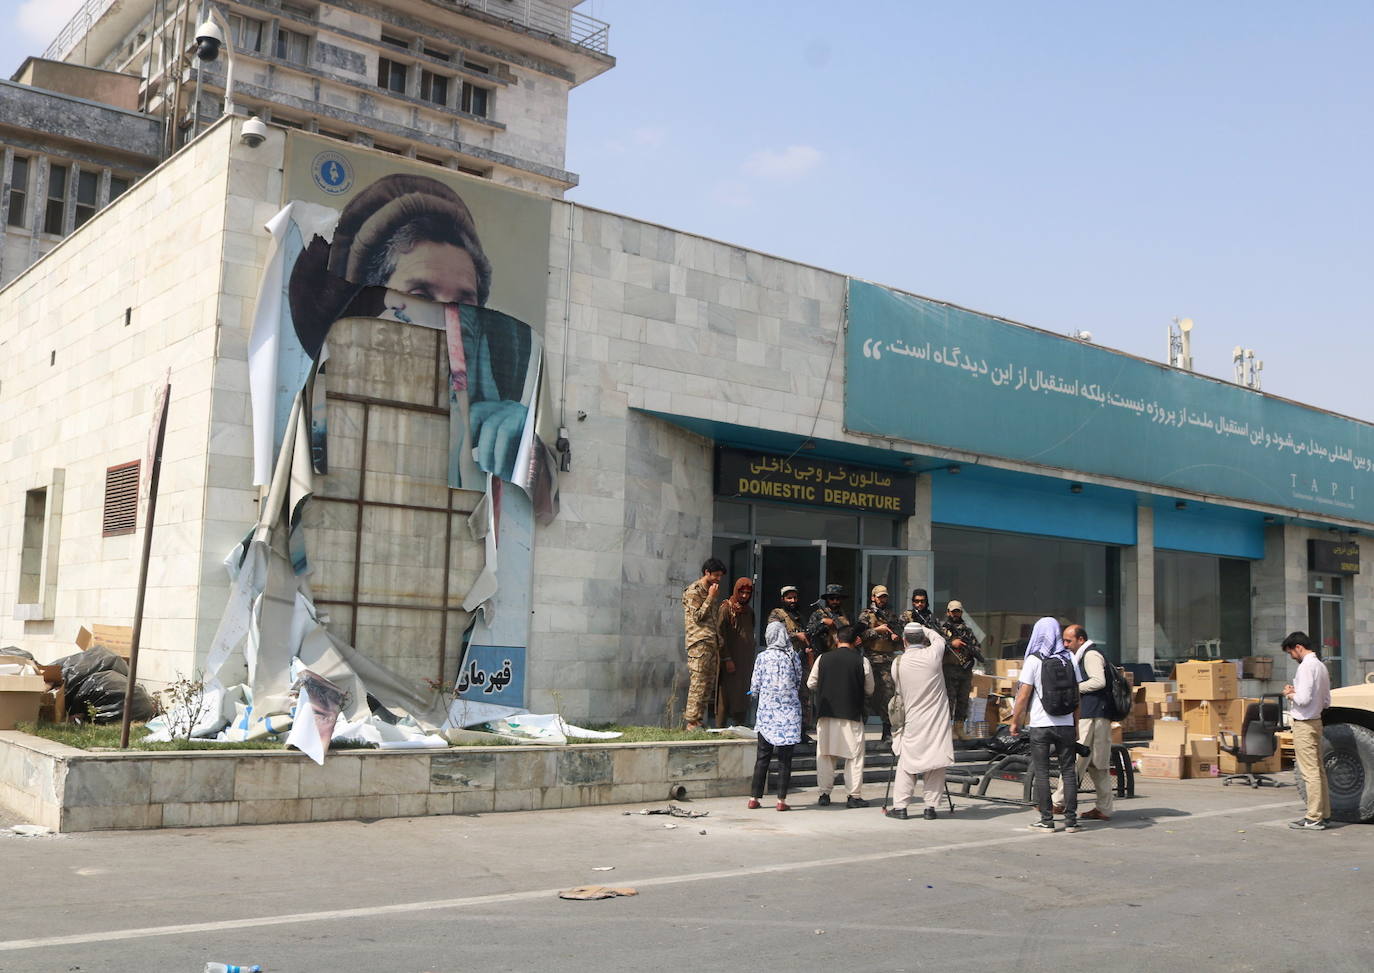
{"type": "Point", "coordinates": [1045, 641]}
{"type": "Point", "coordinates": [776, 637]}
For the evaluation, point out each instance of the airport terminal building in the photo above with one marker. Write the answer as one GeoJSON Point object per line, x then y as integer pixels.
{"type": "Point", "coordinates": [804, 426]}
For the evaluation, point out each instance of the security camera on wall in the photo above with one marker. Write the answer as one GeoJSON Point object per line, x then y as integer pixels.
{"type": "Point", "coordinates": [209, 39]}
{"type": "Point", "coordinates": [253, 133]}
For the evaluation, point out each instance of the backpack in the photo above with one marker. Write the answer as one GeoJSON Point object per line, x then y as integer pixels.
{"type": "Point", "coordinates": [1058, 685]}
{"type": "Point", "coordinates": [1122, 696]}
{"type": "Point", "coordinates": [896, 706]}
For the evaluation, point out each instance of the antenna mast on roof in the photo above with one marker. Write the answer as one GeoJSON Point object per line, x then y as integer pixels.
{"type": "Point", "coordinates": [1247, 368]}
{"type": "Point", "coordinates": [1181, 344]}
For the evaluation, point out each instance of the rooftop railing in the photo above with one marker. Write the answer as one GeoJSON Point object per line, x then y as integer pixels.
{"type": "Point", "coordinates": [88, 13]}
{"type": "Point", "coordinates": [550, 18]}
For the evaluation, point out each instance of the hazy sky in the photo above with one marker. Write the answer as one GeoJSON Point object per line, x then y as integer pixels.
{"type": "Point", "coordinates": [1074, 166]}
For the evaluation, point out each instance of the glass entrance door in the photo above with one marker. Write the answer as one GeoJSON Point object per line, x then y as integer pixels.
{"type": "Point", "coordinates": [782, 562]}
{"type": "Point", "coordinates": [899, 571]}
{"type": "Point", "coordinates": [1324, 624]}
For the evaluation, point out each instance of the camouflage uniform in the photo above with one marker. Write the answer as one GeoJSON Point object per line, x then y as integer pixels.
{"type": "Point", "coordinates": [880, 650]}
{"type": "Point", "coordinates": [958, 680]}
{"type": "Point", "coordinates": [925, 620]}
{"type": "Point", "coordinates": [699, 618]}
{"type": "Point", "coordinates": [822, 636]}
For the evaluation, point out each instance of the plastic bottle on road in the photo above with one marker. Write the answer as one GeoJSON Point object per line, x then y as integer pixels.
{"type": "Point", "coordinates": [231, 968]}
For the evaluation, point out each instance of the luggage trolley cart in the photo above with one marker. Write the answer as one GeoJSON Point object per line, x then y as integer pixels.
{"type": "Point", "coordinates": [972, 779]}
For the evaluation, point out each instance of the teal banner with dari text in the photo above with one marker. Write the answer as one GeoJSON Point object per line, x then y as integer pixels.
{"type": "Point", "coordinates": [926, 372]}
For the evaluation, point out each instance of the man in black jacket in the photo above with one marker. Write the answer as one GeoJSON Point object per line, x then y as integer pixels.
{"type": "Point", "coordinates": [841, 679]}
{"type": "Point", "coordinates": [1094, 724]}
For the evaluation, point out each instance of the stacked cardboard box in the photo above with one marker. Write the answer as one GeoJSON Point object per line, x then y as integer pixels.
{"type": "Point", "coordinates": [1162, 701]}
{"type": "Point", "coordinates": [22, 688]}
{"type": "Point", "coordinates": [1190, 715]}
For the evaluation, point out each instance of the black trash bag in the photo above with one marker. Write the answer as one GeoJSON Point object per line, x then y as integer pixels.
{"type": "Point", "coordinates": [15, 650]}
{"type": "Point", "coordinates": [98, 678]}
{"type": "Point", "coordinates": [1002, 742]}
{"type": "Point", "coordinates": [102, 699]}
{"type": "Point", "coordinates": [80, 666]}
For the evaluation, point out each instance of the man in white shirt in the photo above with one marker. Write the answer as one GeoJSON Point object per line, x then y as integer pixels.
{"type": "Point", "coordinates": [1309, 694]}
{"type": "Point", "coordinates": [1094, 724]}
{"type": "Point", "coordinates": [1048, 731]}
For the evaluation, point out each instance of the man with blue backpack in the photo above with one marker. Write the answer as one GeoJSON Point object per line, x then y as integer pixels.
{"type": "Point", "coordinates": [1096, 710]}
{"type": "Point", "coordinates": [1046, 702]}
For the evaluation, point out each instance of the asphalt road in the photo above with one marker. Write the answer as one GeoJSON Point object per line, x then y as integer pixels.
{"type": "Point", "coordinates": [1188, 876]}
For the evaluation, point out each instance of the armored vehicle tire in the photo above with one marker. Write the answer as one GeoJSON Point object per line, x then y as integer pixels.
{"type": "Point", "coordinates": [1348, 753]}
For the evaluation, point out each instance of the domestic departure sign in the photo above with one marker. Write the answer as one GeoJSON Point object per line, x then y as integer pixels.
{"type": "Point", "coordinates": [815, 482]}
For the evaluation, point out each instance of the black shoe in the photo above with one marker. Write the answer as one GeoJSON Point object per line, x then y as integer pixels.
{"type": "Point", "coordinates": [929, 814]}
{"type": "Point", "coordinates": [855, 802]}
{"type": "Point", "coordinates": [823, 800]}
{"type": "Point", "coordinates": [896, 812]}
{"type": "Point", "coordinates": [887, 733]}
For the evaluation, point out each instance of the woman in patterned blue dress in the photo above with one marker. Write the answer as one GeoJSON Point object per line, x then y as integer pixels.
{"type": "Point", "coordinates": [777, 687]}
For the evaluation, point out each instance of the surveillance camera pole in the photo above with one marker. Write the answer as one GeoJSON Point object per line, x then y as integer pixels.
{"type": "Point", "coordinates": [213, 15]}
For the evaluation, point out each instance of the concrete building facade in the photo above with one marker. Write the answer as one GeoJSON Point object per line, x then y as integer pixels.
{"type": "Point", "coordinates": [71, 140]}
{"type": "Point", "coordinates": [480, 87]}
{"type": "Point", "coordinates": [672, 360]}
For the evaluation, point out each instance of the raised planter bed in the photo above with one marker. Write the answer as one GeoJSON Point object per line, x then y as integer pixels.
{"type": "Point", "coordinates": [67, 789]}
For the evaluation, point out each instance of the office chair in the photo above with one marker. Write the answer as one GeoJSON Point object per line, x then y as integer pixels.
{"type": "Point", "coordinates": [1256, 741]}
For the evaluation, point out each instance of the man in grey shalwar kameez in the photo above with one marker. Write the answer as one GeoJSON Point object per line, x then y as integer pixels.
{"type": "Point", "coordinates": [925, 746]}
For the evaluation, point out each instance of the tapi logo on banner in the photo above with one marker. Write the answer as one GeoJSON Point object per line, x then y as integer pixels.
{"type": "Point", "coordinates": [332, 172]}
{"type": "Point", "coordinates": [493, 674]}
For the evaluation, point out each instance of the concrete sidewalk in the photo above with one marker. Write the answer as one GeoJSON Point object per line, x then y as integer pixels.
{"type": "Point", "coordinates": [1188, 875]}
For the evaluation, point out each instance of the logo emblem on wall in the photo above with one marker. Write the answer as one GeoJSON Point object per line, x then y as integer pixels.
{"type": "Point", "coordinates": [332, 172]}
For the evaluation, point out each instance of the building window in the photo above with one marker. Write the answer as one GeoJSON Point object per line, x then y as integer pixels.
{"type": "Point", "coordinates": [434, 87]}
{"type": "Point", "coordinates": [400, 43]}
{"type": "Point", "coordinates": [87, 191]}
{"type": "Point", "coordinates": [1202, 606]}
{"type": "Point", "coordinates": [438, 55]}
{"type": "Point", "coordinates": [1074, 581]}
{"type": "Point", "coordinates": [31, 553]}
{"type": "Point", "coordinates": [119, 185]}
{"type": "Point", "coordinates": [298, 11]}
{"type": "Point", "coordinates": [391, 75]}
{"type": "Point", "coordinates": [481, 173]}
{"type": "Point", "coordinates": [121, 500]}
{"type": "Point", "coordinates": [248, 33]}
{"type": "Point", "coordinates": [474, 66]}
{"type": "Point", "coordinates": [474, 100]}
{"type": "Point", "coordinates": [19, 192]}
{"type": "Point", "coordinates": [57, 200]}
{"type": "Point", "coordinates": [292, 47]}
{"type": "Point", "coordinates": [287, 123]}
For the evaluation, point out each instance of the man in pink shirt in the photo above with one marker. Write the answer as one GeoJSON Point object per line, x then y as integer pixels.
{"type": "Point", "coordinates": [1309, 694]}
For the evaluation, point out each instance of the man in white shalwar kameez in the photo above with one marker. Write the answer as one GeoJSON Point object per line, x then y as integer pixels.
{"type": "Point", "coordinates": [841, 679]}
{"type": "Point", "coordinates": [925, 745]}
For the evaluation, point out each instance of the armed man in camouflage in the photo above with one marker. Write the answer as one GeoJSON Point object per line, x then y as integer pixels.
{"type": "Point", "coordinates": [919, 612]}
{"type": "Point", "coordinates": [700, 608]}
{"type": "Point", "coordinates": [881, 644]}
{"type": "Point", "coordinates": [828, 616]}
{"type": "Point", "coordinates": [789, 614]}
{"type": "Point", "coordinates": [961, 652]}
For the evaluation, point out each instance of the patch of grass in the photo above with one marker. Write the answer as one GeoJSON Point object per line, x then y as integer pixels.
{"type": "Point", "coordinates": [87, 736]}
{"type": "Point", "coordinates": [652, 734]}
{"type": "Point", "coordinates": [90, 736]}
